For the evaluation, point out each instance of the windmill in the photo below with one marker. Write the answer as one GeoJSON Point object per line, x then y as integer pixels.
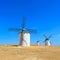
{"type": "Point", "coordinates": [47, 40]}
{"type": "Point", "coordinates": [38, 43]}
{"type": "Point", "coordinates": [24, 34]}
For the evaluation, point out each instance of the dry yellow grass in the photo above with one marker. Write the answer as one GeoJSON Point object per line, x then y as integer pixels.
{"type": "Point", "coordinates": [29, 53]}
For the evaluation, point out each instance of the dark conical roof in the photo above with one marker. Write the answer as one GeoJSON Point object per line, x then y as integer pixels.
{"type": "Point", "coordinates": [46, 39]}
{"type": "Point", "coordinates": [25, 31]}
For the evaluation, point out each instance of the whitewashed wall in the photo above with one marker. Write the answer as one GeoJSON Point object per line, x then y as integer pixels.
{"type": "Point", "coordinates": [26, 39]}
{"type": "Point", "coordinates": [47, 43]}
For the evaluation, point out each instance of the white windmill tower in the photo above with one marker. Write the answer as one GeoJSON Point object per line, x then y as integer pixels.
{"type": "Point", "coordinates": [24, 34]}
{"type": "Point", "coordinates": [25, 38]}
{"type": "Point", "coordinates": [47, 40]}
{"type": "Point", "coordinates": [38, 43]}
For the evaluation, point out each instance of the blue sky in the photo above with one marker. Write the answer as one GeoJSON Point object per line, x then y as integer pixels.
{"type": "Point", "coordinates": [42, 15]}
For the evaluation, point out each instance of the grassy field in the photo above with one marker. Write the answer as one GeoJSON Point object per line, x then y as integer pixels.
{"type": "Point", "coordinates": [29, 53]}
